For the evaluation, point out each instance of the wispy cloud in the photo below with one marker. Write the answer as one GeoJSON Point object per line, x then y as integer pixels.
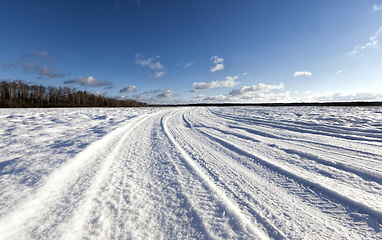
{"type": "Point", "coordinates": [258, 98]}
{"type": "Point", "coordinates": [168, 94]}
{"type": "Point", "coordinates": [159, 74]}
{"type": "Point", "coordinates": [128, 89]}
{"type": "Point", "coordinates": [150, 62]}
{"type": "Point", "coordinates": [373, 43]}
{"type": "Point", "coordinates": [344, 96]}
{"type": "Point", "coordinates": [33, 66]}
{"type": "Point", "coordinates": [376, 7]}
{"type": "Point", "coordinates": [302, 73]}
{"type": "Point", "coordinates": [9, 66]}
{"type": "Point", "coordinates": [50, 72]}
{"type": "Point", "coordinates": [45, 71]}
{"type": "Point", "coordinates": [227, 82]}
{"type": "Point", "coordinates": [379, 31]}
{"type": "Point", "coordinates": [155, 96]}
{"type": "Point", "coordinates": [219, 63]}
{"type": "Point", "coordinates": [43, 55]}
{"type": "Point", "coordinates": [183, 64]}
{"type": "Point", "coordinates": [155, 91]}
{"type": "Point", "coordinates": [98, 93]}
{"type": "Point", "coordinates": [341, 71]}
{"type": "Point", "coordinates": [200, 96]}
{"type": "Point", "coordinates": [261, 87]}
{"type": "Point", "coordinates": [89, 82]}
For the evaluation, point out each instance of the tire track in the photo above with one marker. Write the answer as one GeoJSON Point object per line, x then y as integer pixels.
{"type": "Point", "coordinates": [316, 198]}
{"type": "Point", "coordinates": [370, 139]}
{"type": "Point", "coordinates": [229, 207]}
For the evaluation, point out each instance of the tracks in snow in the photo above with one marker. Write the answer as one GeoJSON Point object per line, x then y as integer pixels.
{"type": "Point", "coordinates": [197, 173]}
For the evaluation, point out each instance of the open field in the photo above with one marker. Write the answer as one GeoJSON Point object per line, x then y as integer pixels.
{"type": "Point", "coordinates": [191, 173]}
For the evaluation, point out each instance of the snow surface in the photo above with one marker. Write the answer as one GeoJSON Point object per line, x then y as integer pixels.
{"type": "Point", "coordinates": [191, 173]}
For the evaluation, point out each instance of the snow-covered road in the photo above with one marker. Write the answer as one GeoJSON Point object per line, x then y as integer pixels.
{"type": "Point", "coordinates": [191, 173]}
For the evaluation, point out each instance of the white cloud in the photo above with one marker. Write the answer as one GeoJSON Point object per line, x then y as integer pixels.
{"type": "Point", "coordinates": [379, 31]}
{"type": "Point", "coordinates": [150, 62]}
{"type": "Point", "coordinates": [302, 73]}
{"type": "Point", "coordinates": [98, 93]}
{"type": "Point", "coordinates": [155, 96]}
{"type": "Point", "coordinates": [261, 87]}
{"type": "Point", "coordinates": [227, 82]}
{"type": "Point", "coordinates": [376, 7]}
{"type": "Point", "coordinates": [344, 97]}
{"type": "Point", "coordinates": [46, 71]}
{"type": "Point", "coordinates": [89, 81]}
{"type": "Point", "coordinates": [154, 91]}
{"type": "Point", "coordinates": [168, 94]}
{"type": "Point", "coordinates": [373, 43]}
{"type": "Point", "coordinates": [199, 96]}
{"type": "Point", "coordinates": [44, 55]}
{"type": "Point", "coordinates": [158, 74]}
{"type": "Point", "coordinates": [341, 71]}
{"type": "Point", "coordinates": [218, 67]}
{"type": "Point", "coordinates": [258, 98]}
{"type": "Point", "coordinates": [219, 63]}
{"type": "Point", "coordinates": [286, 97]}
{"type": "Point", "coordinates": [183, 64]}
{"type": "Point", "coordinates": [30, 66]}
{"type": "Point", "coordinates": [34, 67]}
{"type": "Point", "coordinates": [128, 89]}
{"type": "Point", "coordinates": [218, 98]}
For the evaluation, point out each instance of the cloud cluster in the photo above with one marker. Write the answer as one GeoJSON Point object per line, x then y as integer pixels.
{"type": "Point", "coordinates": [373, 43]}
{"type": "Point", "coordinates": [258, 98]}
{"type": "Point", "coordinates": [286, 97]}
{"type": "Point", "coordinates": [379, 31]}
{"type": "Point", "coordinates": [98, 93]}
{"type": "Point", "coordinates": [261, 87]}
{"type": "Point", "coordinates": [227, 82]}
{"type": "Point", "coordinates": [34, 66]}
{"type": "Point", "coordinates": [89, 82]}
{"type": "Point", "coordinates": [302, 73]}
{"type": "Point", "coordinates": [343, 97]}
{"type": "Point", "coordinates": [376, 7]}
{"type": "Point", "coordinates": [158, 74]}
{"type": "Point", "coordinates": [156, 96]}
{"type": "Point", "coordinates": [43, 55]}
{"type": "Point", "coordinates": [128, 89]}
{"type": "Point", "coordinates": [183, 64]}
{"type": "Point", "coordinates": [150, 62]}
{"type": "Point", "coordinates": [219, 63]}
{"type": "Point", "coordinates": [168, 94]}
{"type": "Point", "coordinates": [256, 93]}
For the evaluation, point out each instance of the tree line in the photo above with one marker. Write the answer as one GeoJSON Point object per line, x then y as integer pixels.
{"type": "Point", "coordinates": [16, 93]}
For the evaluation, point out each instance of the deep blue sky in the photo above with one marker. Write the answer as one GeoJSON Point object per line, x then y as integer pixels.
{"type": "Point", "coordinates": [201, 50]}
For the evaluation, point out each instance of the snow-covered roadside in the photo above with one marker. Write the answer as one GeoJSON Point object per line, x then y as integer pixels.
{"type": "Point", "coordinates": [34, 142]}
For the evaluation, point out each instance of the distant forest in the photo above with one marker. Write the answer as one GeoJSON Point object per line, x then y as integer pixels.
{"type": "Point", "coordinates": [17, 94]}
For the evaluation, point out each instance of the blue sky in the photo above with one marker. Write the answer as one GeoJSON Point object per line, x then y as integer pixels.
{"type": "Point", "coordinates": [197, 51]}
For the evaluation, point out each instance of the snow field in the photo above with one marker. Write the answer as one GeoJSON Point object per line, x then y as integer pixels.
{"type": "Point", "coordinates": [191, 173]}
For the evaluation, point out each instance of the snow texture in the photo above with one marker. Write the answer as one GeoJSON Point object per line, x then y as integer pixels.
{"type": "Point", "coordinates": [191, 173]}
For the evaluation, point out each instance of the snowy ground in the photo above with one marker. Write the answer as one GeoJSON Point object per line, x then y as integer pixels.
{"type": "Point", "coordinates": [191, 173]}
